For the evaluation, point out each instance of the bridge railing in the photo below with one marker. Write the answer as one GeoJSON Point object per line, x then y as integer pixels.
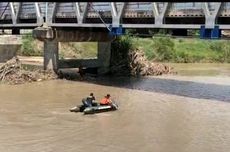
{"type": "Point", "coordinates": [128, 14]}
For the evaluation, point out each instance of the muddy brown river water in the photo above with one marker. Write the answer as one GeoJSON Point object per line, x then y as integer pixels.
{"type": "Point", "coordinates": [182, 113]}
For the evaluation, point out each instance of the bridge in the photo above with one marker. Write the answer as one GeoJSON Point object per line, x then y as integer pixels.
{"type": "Point", "coordinates": [100, 21]}
{"type": "Point", "coordinates": [129, 14]}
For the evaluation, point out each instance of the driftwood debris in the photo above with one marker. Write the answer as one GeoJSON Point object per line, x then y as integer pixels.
{"type": "Point", "coordinates": [136, 64]}
{"type": "Point", "coordinates": [12, 72]}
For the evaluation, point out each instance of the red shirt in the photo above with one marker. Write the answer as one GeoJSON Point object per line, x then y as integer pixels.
{"type": "Point", "coordinates": [105, 101]}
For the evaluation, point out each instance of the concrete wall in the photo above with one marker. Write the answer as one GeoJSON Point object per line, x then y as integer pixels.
{"type": "Point", "coordinates": [51, 55]}
{"type": "Point", "coordinates": [8, 51]}
{"type": "Point", "coordinates": [104, 55]}
{"type": "Point", "coordinates": [9, 45]}
{"type": "Point", "coordinates": [71, 35]}
{"type": "Point", "coordinates": [75, 63]}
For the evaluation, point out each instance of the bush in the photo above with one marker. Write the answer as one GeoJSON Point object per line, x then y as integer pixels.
{"type": "Point", "coordinates": [28, 48]}
{"type": "Point", "coordinates": [164, 48]}
{"type": "Point", "coordinates": [216, 46]}
{"type": "Point", "coordinates": [181, 40]}
{"type": "Point", "coordinates": [223, 49]}
{"type": "Point", "coordinates": [181, 57]}
{"type": "Point", "coordinates": [119, 55]}
{"type": "Point", "coordinates": [121, 46]}
{"type": "Point", "coordinates": [226, 50]}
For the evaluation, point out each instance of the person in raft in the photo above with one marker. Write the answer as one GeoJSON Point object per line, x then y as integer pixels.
{"type": "Point", "coordinates": [89, 101]}
{"type": "Point", "coordinates": [106, 100]}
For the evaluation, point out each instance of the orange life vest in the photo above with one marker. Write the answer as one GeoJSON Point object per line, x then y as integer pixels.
{"type": "Point", "coordinates": [104, 101]}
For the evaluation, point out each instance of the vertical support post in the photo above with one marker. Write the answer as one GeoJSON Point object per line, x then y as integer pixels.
{"type": "Point", "coordinates": [78, 12]}
{"type": "Point", "coordinates": [51, 57]}
{"type": "Point", "coordinates": [18, 12]}
{"type": "Point", "coordinates": [103, 56]}
{"type": "Point", "coordinates": [116, 14]}
{"type": "Point", "coordinates": [155, 9]}
{"type": "Point", "coordinates": [159, 16]}
{"type": "Point", "coordinates": [38, 13]}
{"type": "Point", "coordinates": [210, 17]}
{"type": "Point", "coordinates": [114, 10]}
{"type": "Point", "coordinates": [46, 12]}
{"type": "Point", "coordinates": [51, 16]}
{"type": "Point", "coordinates": [216, 33]}
{"type": "Point", "coordinates": [81, 14]}
{"type": "Point", "coordinates": [13, 14]}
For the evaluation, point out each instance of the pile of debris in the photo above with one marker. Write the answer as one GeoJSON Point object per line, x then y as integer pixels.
{"type": "Point", "coordinates": [141, 66]}
{"type": "Point", "coordinates": [136, 64]}
{"type": "Point", "coordinates": [12, 72]}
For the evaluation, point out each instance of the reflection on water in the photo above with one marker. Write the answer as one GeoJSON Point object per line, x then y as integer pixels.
{"type": "Point", "coordinates": [201, 69]}
{"type": "Point", "coordinates": [168, 86]}
{"type": "Point", "coordinates": [155, 115]}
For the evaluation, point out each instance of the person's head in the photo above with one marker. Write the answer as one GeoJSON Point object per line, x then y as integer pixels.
{"type": "Point", "coordinates": [91, 94]}
{"type": "Point", "coordinates": [108, 96]}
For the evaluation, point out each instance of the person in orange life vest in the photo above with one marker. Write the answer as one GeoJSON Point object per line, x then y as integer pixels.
{"type": "Point", "coordinates": [106, 100]}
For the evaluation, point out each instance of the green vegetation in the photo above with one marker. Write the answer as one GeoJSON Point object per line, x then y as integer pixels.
{"type": "Point", "coordinates": [165, 49]}
{"type": "Point", "coordinates": [158, 49]}
{"type": "Point", "coordinates": [78, 50]}
{"type": "Point", "coordinates": [30, 47]}
{"type": "Point", "coordinates": [33, 47]}
{"type": "Point", "coordinates": [119, 55]}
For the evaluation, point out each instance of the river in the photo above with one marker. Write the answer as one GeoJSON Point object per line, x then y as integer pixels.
{"type": "Point", "coordinates": [188, 112]}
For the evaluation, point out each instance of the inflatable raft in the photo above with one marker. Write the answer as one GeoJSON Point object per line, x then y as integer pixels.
{"type": "Point", "coordinates": [94, 109]}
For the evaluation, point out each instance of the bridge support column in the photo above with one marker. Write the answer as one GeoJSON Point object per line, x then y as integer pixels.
{"type": "Point", "coordinates": [51, 55]}
{"type": "Point", "coordinates": [104, 55]}
{"type": "Point", "coordinates": [214, 33]}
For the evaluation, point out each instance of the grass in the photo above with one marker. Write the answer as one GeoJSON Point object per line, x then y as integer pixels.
{"type": "Point", "coordinates": [184, 50]}
{"type": "Point", "coordinates": [159, 49]}
{"type": "Point", "coordinates": [33, 47]}
{"type": "Point", "coordinates": [78, 49]}
{"type": "Point", "coordinates": [30, 46]}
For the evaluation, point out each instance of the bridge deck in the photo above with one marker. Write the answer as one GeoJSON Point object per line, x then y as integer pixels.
{"type": "Point", "coordinates": [129, 14]}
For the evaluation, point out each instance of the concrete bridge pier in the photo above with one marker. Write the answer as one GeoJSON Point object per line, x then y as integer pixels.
{"type": "Point", "coordinates": [51, 57]}
{"type": "Point", "coordinates": [103, 57]}
{"type": "Point", "coordinates": [51, 38]}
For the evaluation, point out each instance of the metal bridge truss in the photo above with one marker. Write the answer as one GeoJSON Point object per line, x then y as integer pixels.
{"type": "Point", "coordinates": [115, 14]}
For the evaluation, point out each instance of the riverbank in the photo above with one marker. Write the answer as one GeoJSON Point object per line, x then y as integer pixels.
{"type": "Point", "coordinates": [183, 69]}
{"type": "Point", "coordinates": [15, 72]}
{"type": "Point", "coordinates": [201, 69]}
{"type": "Point", "coordinates": [217, 73]}
{"type": "Point", "coordinates": [157, 49]}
